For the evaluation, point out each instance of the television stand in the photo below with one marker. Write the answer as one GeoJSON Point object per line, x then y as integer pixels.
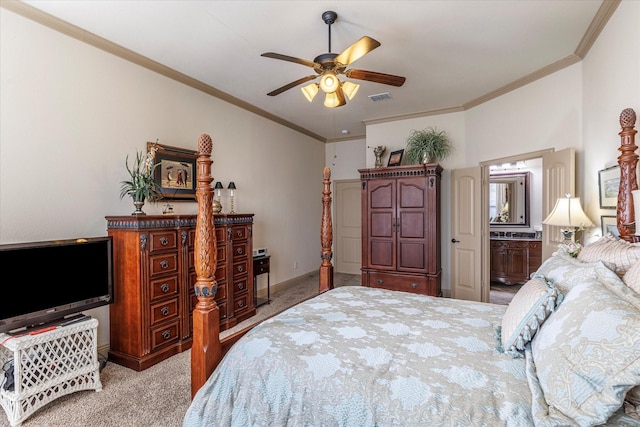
{"type": "Point", "coordinates": [48, 365]}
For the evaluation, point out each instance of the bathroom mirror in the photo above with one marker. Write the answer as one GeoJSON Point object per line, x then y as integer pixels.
{"type": "Point", "coordinates": [509, 199]}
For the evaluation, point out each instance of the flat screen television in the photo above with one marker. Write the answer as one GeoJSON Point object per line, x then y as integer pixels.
{"type": "Point", "coordinates": [54, 279]}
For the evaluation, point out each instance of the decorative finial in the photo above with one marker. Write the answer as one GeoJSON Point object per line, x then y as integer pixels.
{"type": "Point", "coordinates": [627, 118]}
{"type": "Point", "coordinates": [205, 144]}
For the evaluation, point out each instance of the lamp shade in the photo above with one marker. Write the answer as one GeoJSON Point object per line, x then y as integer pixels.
{"type": "Point", "coordinates": [310, 91]}
{"type": "Point", "coordinates": [329, 82]}
{"type": "Point", "coordinates": [232, 186]}
{"type": "Point", "coordinates": [350, 89]}
{"type": "Point", "coordinates": [568, 213]}
{"type": "Point", "coordinates": [218, 185]}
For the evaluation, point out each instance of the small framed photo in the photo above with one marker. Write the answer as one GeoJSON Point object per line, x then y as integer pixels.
{"type": "Point", "coordinates": [609, 225]}
{"type": "Point", "coordinates": [175, 176]}
{"type": "Point", "coordinates": [608, 183]}
{"type": "Point", "coordinates": [395, 158]}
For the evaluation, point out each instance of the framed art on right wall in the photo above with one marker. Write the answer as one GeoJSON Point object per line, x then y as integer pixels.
{"type": "Point", "coordinates": [608, 183]}
{"type": "Point", "coordinates": [609, 225]}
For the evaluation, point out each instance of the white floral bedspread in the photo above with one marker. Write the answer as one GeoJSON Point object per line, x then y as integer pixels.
{"type": "Point", "coordinates": [358, 356]}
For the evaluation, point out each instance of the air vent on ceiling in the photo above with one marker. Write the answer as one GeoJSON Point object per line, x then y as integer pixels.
{"type": "Point", "coordinates": [380, 97]}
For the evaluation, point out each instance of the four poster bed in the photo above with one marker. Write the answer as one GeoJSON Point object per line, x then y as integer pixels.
{"type": "Point", "coordinates": [566, 351]}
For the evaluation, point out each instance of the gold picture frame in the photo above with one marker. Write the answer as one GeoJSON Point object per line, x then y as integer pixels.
{"type": "Point", "coordinates": [175, 176]}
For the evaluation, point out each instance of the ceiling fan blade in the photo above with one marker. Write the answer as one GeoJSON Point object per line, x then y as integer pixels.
{"type": "Point", "coordinates": [289, 59]}
{"type": "Point", "coordinates": [372, 76]}
{"type": "Point", "coordinates": [290, 85]}
{"type": "Point", "coordinates": [356, 50]}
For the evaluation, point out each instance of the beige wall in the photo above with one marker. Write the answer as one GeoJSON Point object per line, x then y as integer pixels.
{"type": "Point", "coordinates": [71, 113]}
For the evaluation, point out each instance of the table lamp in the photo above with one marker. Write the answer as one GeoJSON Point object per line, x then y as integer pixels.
{"type": "Point", "coordinates": [231, 188]}
{"type": "Point", "coordinates": [568, 213]}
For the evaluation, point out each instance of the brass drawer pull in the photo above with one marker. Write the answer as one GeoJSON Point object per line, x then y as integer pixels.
{"type": "Point", "coordinates": [239, 251]}
{"type": "Point", "coordinates": [165, 311]}
{"type": "Point", "coordinates": [165, 287]}
{"type": "Point", "coordinates": [240, 303]}
{"type": "Point", "coordinates": [164, 241]}
{"type": "Point", "coordinates": [240, 268]}
{"type": "Point", "coordinates": [164, 264]}
{"type": "Point", "coordinates": [241, 285]}
{"type": "Point", "coordinates": [166, 335]}
{"type": "Point", "coordinates": [239, 233]}
{"type": "Point", "coordinates": [380, 281]}
{"type": "Point", "coordinates": [414, 285]}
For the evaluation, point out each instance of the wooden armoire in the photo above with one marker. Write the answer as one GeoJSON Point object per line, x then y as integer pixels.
{"type": "Point", "coordinates": [401, 228]}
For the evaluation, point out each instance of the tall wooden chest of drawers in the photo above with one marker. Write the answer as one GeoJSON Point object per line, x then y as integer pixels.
{"type": "Point", "coordinates": [154, 273]}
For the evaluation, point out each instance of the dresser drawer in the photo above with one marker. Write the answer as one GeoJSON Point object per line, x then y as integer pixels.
{"type": "Point", "coordinates": [239, 232]}
{"type": "Point", "coordinates": [164, 287]}
{"type": "Point", "coordinates": [240, 267]}
{"type": "Point", "coordinates": [163, 264]}
{"type": "Point", "coordinates": [162, 241]}
{"type": "Point", "coordinates": [239, 250]}
{"type": "Point", "coordinates": [164, 335]}
{"type": "Point", "coordinates": [240, 286]}
{"type": "Point", "coordinates": [419, 285]}
{"type": "Point", "coordinates": [240, 304]}
{"type": "Point", "coordinates": [163, 311]}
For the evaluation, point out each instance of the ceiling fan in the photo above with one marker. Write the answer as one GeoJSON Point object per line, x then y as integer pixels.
{"type": "Point", "coordinates": [329, 65]}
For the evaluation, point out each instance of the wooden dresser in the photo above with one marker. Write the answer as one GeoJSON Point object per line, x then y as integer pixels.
{"type": "Point", "coordinates": [401, 228]}
{"type": "Point", "coordinates": [154, 274]}
{"type": "Point", "coordinates": [513, 260]}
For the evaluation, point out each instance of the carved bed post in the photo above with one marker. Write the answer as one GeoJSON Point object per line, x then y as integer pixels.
{"type": "Point", "coordinates": [326, 235]}
{"type": "Point", "coordinates": [206, 351]}
{"type": "Point", "coordinates": [628, 161]}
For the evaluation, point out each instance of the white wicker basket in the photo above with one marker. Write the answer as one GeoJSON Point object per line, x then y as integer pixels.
{"type": "Point", "coordinates": [49, 365]}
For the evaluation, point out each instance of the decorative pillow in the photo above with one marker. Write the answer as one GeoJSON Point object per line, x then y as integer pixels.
{"type": "Point", "coordinates": [632, 403]}
{"type": "Point", "coordinates": [587, 356]}
{"type": "Point", "coordinates": [632, 277]}
{"type": "Point", "coordinates": [528, 309]}
{"type": "Point", "coordinates": [565, 271]}
{"type": "Point", "coordinates": [619, 252]}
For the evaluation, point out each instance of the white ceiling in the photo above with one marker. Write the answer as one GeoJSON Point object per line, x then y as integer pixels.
{"type": "Point", "coordinates": [453, 54]}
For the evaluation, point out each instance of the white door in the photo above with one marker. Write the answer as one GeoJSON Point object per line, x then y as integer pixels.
{"type": "Point", "coordinates": [466, 234]}
{"type": "Point", "coordinates": [558, 178]}
{"type": "Point", "coordinates": [348, 227]}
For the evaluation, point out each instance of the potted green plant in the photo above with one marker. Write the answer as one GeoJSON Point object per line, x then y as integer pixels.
{"type": "Point", "coordinates": [427, 146]}
{"type": "Point", "coordinates": [141, 185]}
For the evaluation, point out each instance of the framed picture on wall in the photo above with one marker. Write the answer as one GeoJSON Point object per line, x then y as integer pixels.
{"type": "Point", "coordinates": [608, 183]}
{"type": "Point", "coordinates": [395, 158]}
{"type": "Point", "coordinates": [609, 225]}
{"type": "Point", "coordinates": [176, 174]}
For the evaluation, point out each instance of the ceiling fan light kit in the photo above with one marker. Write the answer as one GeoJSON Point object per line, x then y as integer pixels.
{"type": "Point", "coordinates": [330, 65]}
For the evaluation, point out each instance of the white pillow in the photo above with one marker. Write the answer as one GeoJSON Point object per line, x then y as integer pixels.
{"type": "Point", "coordinates": [565, 271]}
{"type": "Point", "coordinates": [587, 356]}
{"type": "Point", "coordinates": [632, 277]}
{"type": "Point", "coordinates": [528, 309]}
{"type": "Point", "coordinates": [609, 249]}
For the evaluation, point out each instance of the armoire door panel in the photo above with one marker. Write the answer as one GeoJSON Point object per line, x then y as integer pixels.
{"type": "Point", "coordinates": [411, 256]}
{"type": "Point", "coordinates": [411, 194]}
{"type": "Point", "coordinates": [381, 224]}
{"type": "Point", "coordinates": [412, 225]}
{"type": "Point", "coordinates": [381, 195]}
{"type": "Point", "coordinates": [382, 254]}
